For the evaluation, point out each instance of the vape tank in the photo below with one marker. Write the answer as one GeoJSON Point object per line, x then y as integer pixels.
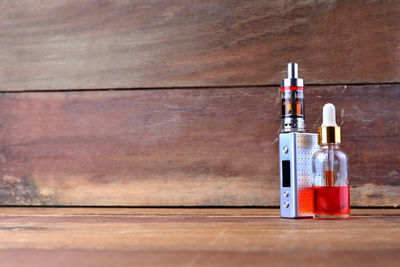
{"type": "Point", "coordinates": [296, 149]}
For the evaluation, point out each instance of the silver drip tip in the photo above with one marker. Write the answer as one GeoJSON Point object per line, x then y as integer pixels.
{"type": "Point", "coordinates": [293, 70]}
{"type": "Point", "coordinates": [292, 76]}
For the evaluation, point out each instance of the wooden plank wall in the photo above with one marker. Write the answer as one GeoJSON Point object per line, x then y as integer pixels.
{"type": "Point", "coordinates": [175, 103]}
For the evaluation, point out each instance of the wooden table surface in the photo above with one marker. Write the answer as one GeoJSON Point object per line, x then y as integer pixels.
{"type": "Point", "coordinates": [194, 237]}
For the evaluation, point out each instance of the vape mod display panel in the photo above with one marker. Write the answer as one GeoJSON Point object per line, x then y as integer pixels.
{"type": "Point", "coordinates": [285, 173]}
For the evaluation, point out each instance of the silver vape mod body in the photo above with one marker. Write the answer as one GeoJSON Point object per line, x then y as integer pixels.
{"type": "Point", "coordinates": [296, 176]}
{"type": "Point", "coordinates": [296, 149]}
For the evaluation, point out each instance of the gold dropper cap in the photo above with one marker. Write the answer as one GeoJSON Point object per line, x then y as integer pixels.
{"type": "Point", "coordinates": [329, 132]}
{"type": "Point", "coordinates": [329, 135]}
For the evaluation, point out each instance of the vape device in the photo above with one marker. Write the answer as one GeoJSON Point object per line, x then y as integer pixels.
{"type": "Point", "coordinates": [296, 149]}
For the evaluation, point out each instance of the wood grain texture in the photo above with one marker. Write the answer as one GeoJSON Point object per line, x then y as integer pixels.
{"type": "Point", "coordinates": [104, 258]}
{"type": "Point", "coordinates": [171, 212]}
{"type": "Point", "coordinates": [193, 237]}
{"type": "Point", "coordinates": [93, 44]}
{"type": "Point", "coordinates": [195, 147]}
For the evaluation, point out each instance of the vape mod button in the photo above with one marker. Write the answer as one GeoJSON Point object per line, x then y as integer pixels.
{"type": "Point", "coordinates": [286, 193]}
{"type": "Point", "coordinates": [286, 204]}
{"type": "Point", "coordinates": [285, 149]}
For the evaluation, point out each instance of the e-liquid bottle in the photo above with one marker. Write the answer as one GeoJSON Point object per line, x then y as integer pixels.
{"type": "Point", "coordinates": [330, 168]}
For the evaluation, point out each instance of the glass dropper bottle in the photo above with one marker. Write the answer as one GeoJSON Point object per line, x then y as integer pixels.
{"type": "Point", "coordinates": [330, 168]}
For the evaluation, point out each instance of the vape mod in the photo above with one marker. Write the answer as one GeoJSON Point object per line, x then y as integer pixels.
{"type": "Point", "coordinates": [296, 149]}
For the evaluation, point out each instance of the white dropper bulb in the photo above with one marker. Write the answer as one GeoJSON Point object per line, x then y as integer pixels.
{"type": "Point", "coordinates": [329, 115]}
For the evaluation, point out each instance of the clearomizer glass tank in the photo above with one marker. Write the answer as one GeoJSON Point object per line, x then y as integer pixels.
{"type": "Point", "coordinates": [292, 95]}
